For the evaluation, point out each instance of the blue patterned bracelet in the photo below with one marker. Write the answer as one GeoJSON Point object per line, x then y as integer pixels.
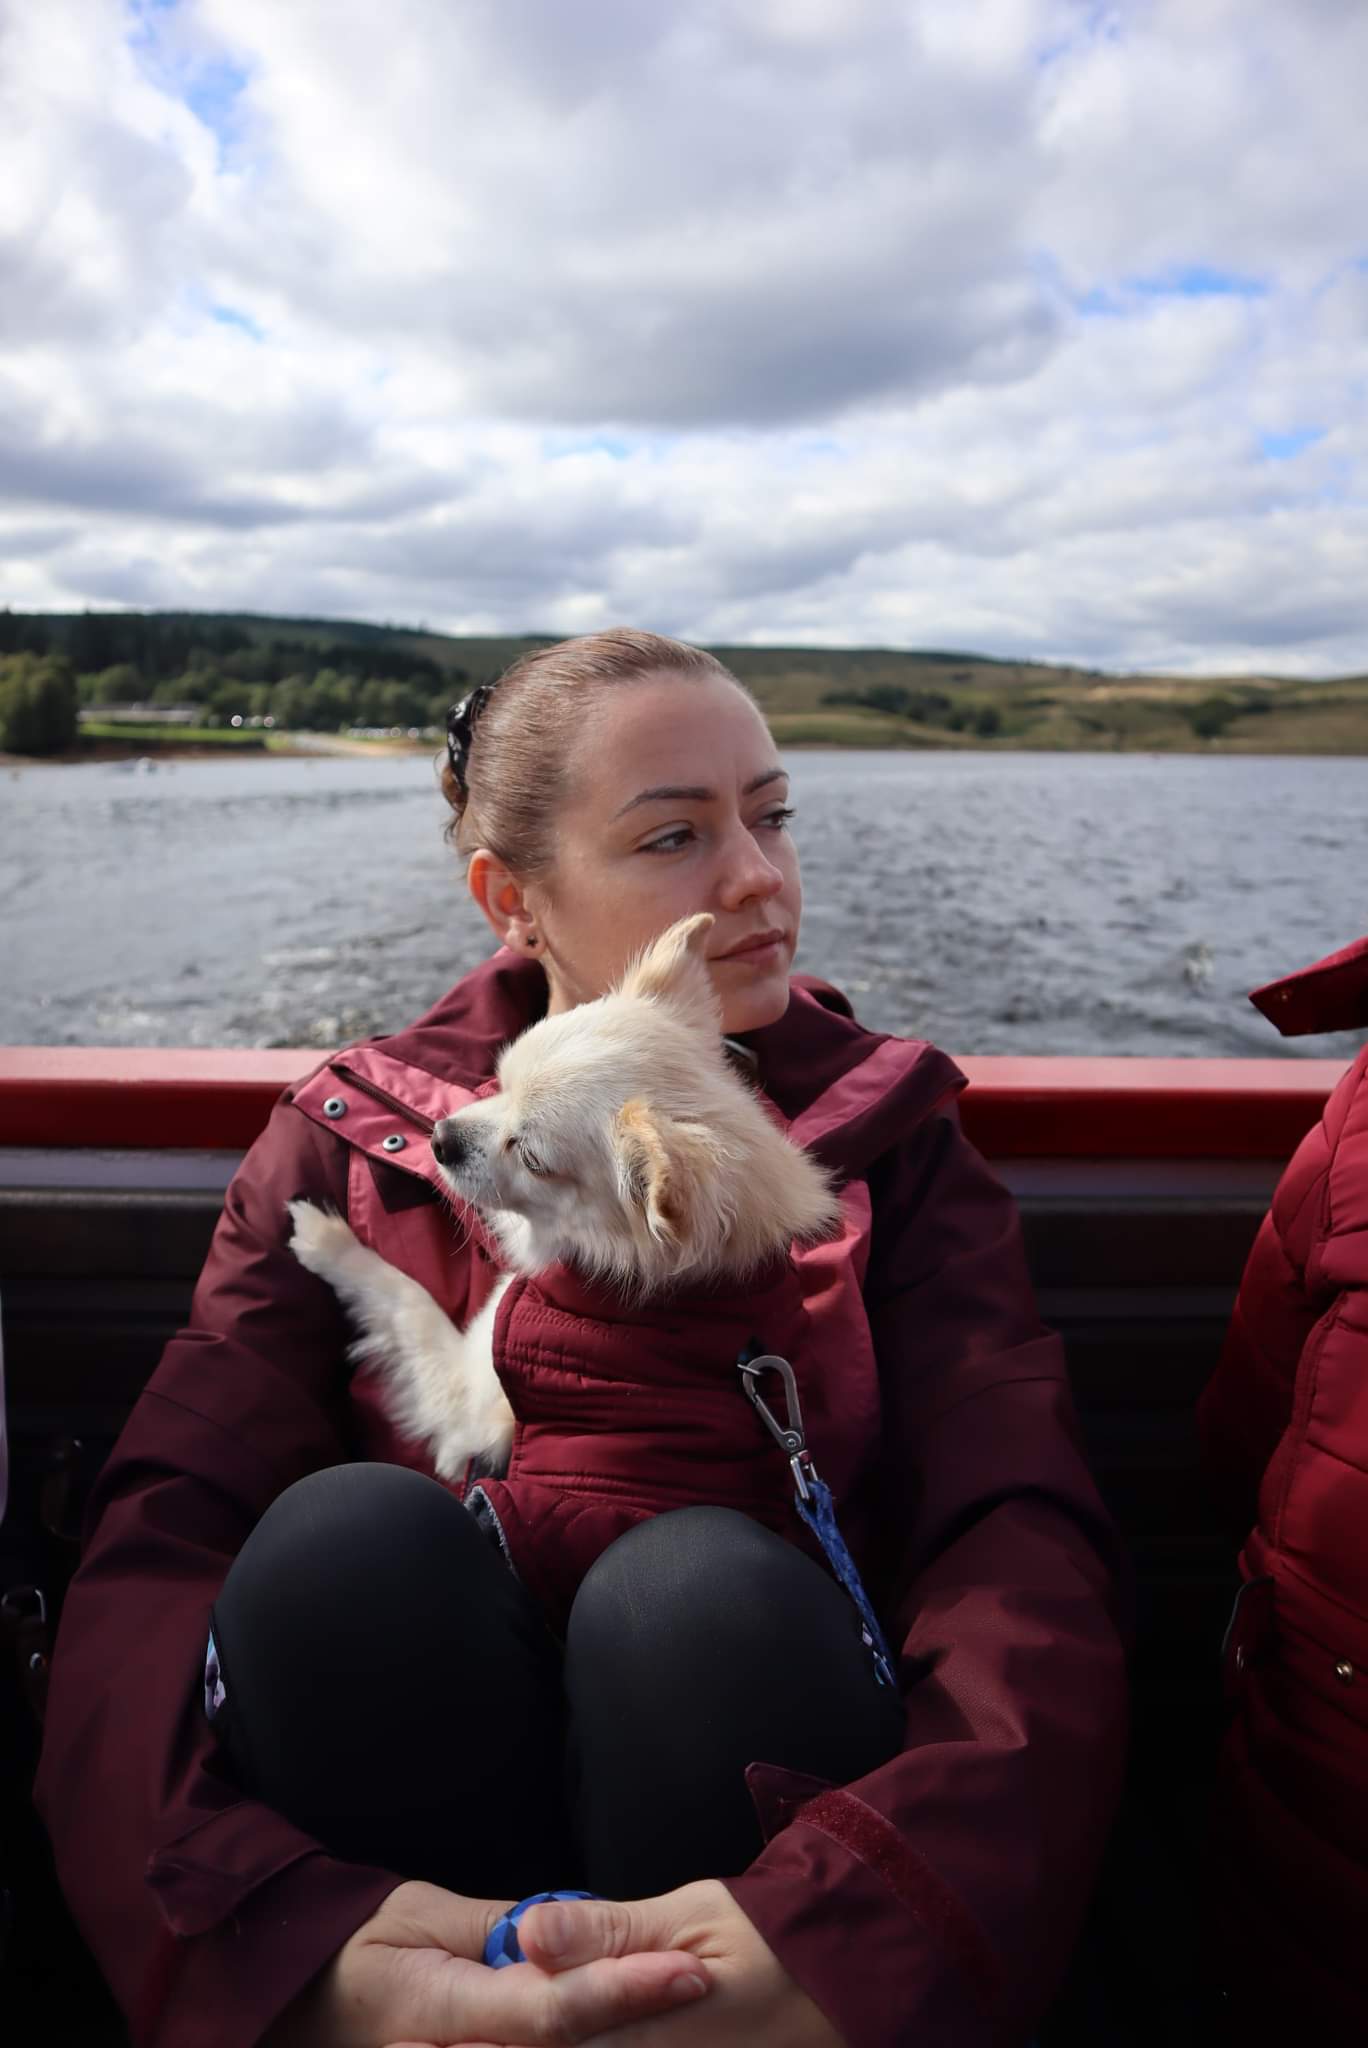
{"type": "Point", "coordinates": [503, 1946]}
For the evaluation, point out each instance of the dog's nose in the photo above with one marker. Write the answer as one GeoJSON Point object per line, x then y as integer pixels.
{"type": "Point", "coordinates": [449, 1143]}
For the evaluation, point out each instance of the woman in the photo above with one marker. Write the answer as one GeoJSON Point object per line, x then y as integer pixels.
{"type": "Point", "coordinates": [823, 1865]}
{"type": "Point", "coordinates": [1284, 1424]}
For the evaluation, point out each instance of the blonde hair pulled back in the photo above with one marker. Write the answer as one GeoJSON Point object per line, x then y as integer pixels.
{"type": "Point", "coordinates": [515, 766]}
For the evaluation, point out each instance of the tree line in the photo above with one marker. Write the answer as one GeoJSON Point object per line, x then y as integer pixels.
{"type": "Point", "coordinates": [38, 704]}
{"type": "Point", "coordinates": [52, 665]}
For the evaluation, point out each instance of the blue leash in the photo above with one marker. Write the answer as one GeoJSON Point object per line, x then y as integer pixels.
{"type": "Point", "coordinates": [814, 1502]}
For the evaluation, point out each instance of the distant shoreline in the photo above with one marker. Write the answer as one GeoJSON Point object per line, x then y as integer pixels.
{"type": "Point", "coordinates": [336, 747]}
{"type": "Point", "coordinates": [277, 678]}
{"type": "Point", "coordinates": [311, 746]}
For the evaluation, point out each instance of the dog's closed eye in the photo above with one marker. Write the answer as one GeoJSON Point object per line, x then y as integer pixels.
{"type": "Point", "coordinates": [533, 1161]}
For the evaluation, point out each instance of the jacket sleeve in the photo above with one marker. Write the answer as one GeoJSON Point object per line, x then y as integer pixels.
{"type": "Point", "coordinates": [1247, 1403]}
{"type": "Point", "coordinates": [206, 1911]}
{"type": "Point", "coordinates": [938, 1899]}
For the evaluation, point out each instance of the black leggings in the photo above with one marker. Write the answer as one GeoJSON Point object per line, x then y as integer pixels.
{"type": "Point", "coordinates": [391, 1688]}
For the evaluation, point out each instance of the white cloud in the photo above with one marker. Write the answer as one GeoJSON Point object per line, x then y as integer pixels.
{"type": "Point", "coordinates": [997, 326]}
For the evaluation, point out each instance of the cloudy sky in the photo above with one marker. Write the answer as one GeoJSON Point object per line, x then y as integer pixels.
{"type": "Point", "coordinates": [1033, 326]}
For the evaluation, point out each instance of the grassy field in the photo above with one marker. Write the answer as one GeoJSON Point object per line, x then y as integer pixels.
{"type": "Point", "coordinates": [156, 739]}
{"type": "Point", "coordinates": [1073, 713]}
{"type": "Point", "coordinates": [845, 727]}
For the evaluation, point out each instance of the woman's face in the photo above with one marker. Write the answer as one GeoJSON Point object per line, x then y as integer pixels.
{"type": "Point", "coordinates": [677, 804]}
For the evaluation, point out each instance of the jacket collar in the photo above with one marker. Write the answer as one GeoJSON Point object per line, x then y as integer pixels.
{"type": "Point", "coordinates": [844, 1092]}
{"type": "Point", "coordinates": [461, 1036]}
{"type": "Point", "coordinates": [1330, 995]}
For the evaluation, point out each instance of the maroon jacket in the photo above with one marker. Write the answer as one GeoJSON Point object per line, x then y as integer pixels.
{"type": "Point", "coordinates": [956, 1874]}
{"type": "Point", "coordinates": [1284, 1423]}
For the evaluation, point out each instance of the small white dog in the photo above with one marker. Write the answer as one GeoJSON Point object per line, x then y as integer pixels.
{"type": "Point", "coordinates": [621, 1143]}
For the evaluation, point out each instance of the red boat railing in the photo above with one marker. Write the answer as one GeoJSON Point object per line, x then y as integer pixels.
{"type": "Point", "coordinates": [1039, 1107]}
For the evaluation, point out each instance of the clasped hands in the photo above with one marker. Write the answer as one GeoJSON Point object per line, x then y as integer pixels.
{"type": "Point", "coordinates": [686, 1970]}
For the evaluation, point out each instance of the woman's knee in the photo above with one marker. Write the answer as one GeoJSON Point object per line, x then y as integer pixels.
{"type": "Point", "coordinates": [354, 1525]}
{"type": "Point", "coordinates": [359, 1570]}
{"type": "Point", "coordinates": [700, 1642]}
{"type": "Point", "coordinates": [349, 1504]}
{"type": "Point", "coordinates": [384, 1672]}
{"type": "Point", "coordinates": [702, 1569]}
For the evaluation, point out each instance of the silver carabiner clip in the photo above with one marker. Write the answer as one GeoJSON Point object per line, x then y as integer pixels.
{"type": "Point", "coordinates": [789, 1437]}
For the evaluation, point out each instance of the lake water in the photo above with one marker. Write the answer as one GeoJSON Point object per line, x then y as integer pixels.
{"type": "Point", "coordinates": [993, 902]}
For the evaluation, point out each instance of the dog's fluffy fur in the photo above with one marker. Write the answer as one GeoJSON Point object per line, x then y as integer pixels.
{"type": "Point", "coordinates": [621, 1143]}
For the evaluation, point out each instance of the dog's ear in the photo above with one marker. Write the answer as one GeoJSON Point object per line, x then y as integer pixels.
{"type": "Point", "coordinates": [662, 1171]}
{"type": "Point", "coordinates": [674, 969]}
{"type": "Point", "coordinates": [644, 1171]}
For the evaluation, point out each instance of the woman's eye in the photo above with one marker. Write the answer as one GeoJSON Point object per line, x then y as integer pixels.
{"type": "Point", "coordinates": [676, 840]}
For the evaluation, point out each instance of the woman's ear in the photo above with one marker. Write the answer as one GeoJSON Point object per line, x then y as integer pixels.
{"type": "Point", "coordinates": [501, 897]}
{"type": "Point", "coordinates": [674, 969]}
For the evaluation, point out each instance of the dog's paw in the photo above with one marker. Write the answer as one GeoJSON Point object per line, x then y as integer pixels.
{"type": "Point", "coordinates": [321, 1240]}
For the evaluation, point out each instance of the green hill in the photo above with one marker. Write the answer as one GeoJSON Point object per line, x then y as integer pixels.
{"type": "Point", "coordinates": [331, 672]}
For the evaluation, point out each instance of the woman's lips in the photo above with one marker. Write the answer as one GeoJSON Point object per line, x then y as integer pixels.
{"type": "Point", "coordinates": [761, 951]}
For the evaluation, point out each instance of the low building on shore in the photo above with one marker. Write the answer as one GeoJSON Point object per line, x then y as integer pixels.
{"type": "Point", "coordinates": [141, 714]}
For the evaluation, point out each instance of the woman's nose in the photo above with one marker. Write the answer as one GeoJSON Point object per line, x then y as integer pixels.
{"type": "Point", "coordinates": [747, 873]}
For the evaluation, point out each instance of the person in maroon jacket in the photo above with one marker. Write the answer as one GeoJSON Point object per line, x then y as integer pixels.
{"type": "Point", "coordinates": [1284, 1424]}
{"type": "Point", "coordinates": [307, 1838]}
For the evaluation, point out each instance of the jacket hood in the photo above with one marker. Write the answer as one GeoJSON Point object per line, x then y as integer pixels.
{"type": "Point", "coordinates": [1330, 995]}
{"type": "Point", "coordinates": [844, 1092]}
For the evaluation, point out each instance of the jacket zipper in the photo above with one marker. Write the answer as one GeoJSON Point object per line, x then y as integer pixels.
{"type": "Point", "coordinates": [482, 1509]}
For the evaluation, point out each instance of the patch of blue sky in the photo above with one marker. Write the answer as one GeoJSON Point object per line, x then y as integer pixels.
{"type": "Point", "coordinates": [1199, 281]}
{"type": "Point", "coordinates": [1098, 23]}
{"type": "Point", "coordinates": [198, 306]}
{"type": "Point", "coordinates": [1098, 302]}
{"type": "Point", "coordinates": [1282, 447]}
{"type": "Point", "coordinates": [232, 316]}
{"type": "Point", "coordinates": [212, 94]}
{"type": "Point", "coordinates": [621, 448]}
{"type": "Point", "coordinates": [1100, 305]}
{"type": "Point", "coordinates": [210, 86]}
{"type": "Point", "coordinates": [147, 23]}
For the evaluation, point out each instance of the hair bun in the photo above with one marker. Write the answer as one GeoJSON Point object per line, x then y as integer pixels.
{"type": "Point", "coordinates": [462, 720]}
